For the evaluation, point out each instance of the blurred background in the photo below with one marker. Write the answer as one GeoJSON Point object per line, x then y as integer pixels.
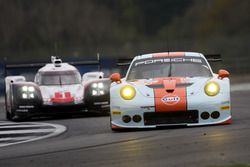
{"type": "Point", "coordinates": [33, 30]}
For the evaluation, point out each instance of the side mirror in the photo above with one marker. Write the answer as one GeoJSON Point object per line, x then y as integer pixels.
{"type": "Point", "coordinates": [223, 74]}
{"type": "Point", "coordinates": [116, 77]}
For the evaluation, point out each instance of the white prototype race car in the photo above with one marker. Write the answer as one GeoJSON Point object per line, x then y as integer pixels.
{"type": "Point", "coordinates": [168, 89]}
{"type": "Point", "coordinates": [57, 88]}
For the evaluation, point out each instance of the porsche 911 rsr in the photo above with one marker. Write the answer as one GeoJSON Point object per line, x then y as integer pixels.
{"type": "Point", "coordinates": [166, 89]}
{"type": "Point", "coordinates": [57, 87]}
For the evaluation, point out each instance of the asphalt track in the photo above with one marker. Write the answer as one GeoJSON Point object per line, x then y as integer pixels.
{"type": "Point", "coordinates": [89, 141]}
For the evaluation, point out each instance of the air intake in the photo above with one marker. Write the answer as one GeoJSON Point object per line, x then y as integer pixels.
{"type": "Point", "coordinates": [56, 61]}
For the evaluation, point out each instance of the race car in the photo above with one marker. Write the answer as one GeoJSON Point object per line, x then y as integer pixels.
{"type": "Point", "coordinates": [169, 89]}
{"type": "Point", "coordinates": [57, 87]}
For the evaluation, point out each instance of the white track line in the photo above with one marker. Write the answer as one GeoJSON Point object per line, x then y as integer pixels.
{"type": "Point", "coordinates": [11, 123]}
{"type": "Point", "coordinates": [26, 131]}
{"type": "Point", "coordinates": [16, 138]}
{"type": "Point", "coordinates": [22, 126]}
{"type": "Point", "coordinates": [57, 129]}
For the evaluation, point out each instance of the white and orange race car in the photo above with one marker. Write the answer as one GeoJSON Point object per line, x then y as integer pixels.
{"type": "Point", "coordinates": [168, 89]}
{"type": "Point", "coordinates": [57, 88]}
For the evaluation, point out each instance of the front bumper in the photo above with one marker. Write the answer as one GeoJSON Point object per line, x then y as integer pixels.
{"type": "Point", "coordinates": [45, 110]}
{"type": "Point", "coordinates": [205, 113]}
{"type": "Point", "coordinates": [98, 104]}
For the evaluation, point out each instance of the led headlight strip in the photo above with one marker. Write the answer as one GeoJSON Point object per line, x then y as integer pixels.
{"type": "Point", "coordinates": [97, 89]}
{"type": "Point", "coordinates": [28, 92]}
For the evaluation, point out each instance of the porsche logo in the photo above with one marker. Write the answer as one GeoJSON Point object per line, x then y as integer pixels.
{"type": "Point", "coordinates": [170, 99]}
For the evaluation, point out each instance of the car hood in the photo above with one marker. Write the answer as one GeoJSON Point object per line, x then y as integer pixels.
{"type": "Point", "coordinates": [191, 85]}
{"type": "Point", "coordinates": [49, 92]}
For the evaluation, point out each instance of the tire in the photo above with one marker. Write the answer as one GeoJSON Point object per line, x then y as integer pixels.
{"type": "Point", "coordinates": [18, 118]}
{"type": "Point", "coordinates": [8, 115]}
{"type": "Point", "coordinates": [12, 116]}
{"type": "Point", "coordinates": [10, 112]}
{"type": "Point", "coordinates": [7, 112]}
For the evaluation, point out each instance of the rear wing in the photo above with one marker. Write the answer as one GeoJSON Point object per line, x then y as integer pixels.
{"type": "Point", "coordinates": [213, 57]}
{"type": "Point", "coordinates": [29, 70]}
{"type": "Point", "coordinates": [35, 66]}
{"type": "Point", "coordinates": [38, 65]}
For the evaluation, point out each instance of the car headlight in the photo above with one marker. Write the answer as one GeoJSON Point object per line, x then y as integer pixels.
{"type": "Point", "coordinates": [97, 89]}
{"type": "Point", "coordinates": [28, 92]}
{"type": "Point", "coordinates": [28, 89]}
{"type": "Point", "coordinates": [212, 88]}
{"type": "Point", "coordinates": [25, 88]}
{"type": "Point", "coordinates": [24, 96]}
{"type": "Point", "coordinates": [99, 85]}
{"type": "Point", "coordinates": [31, 89]}
{"type": "Point", "coordinates": [128, 92]}
{"type": "Point", "coordinates": [94, 85]}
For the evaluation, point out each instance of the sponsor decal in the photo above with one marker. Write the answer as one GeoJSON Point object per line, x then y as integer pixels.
{"type": "Point", "coordinates": [225, 107]}
{"type": "Point", "coordinates": [170, 99]}
{"type": "Point", "coordinates": [167, 60]}
{"type": "Point", "coordinates": [101, 103]}
{"type": "Point", "coordinates": [26, 107]}
{"type": "Point", "coordinates": [116, 112]}
{"type": "Point", "coordinates": [22, 110]}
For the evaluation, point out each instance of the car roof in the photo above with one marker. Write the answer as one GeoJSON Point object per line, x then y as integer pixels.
{"type": "Point", "coordinates": [168, 54]}
{"type": "Point", "coordinates": [53, 68]}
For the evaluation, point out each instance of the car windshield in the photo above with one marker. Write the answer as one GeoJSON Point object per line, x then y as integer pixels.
{"type": "Point", "coordinates": [60, 78]}
{"type": "Point", "coordinates": [169, 67]}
